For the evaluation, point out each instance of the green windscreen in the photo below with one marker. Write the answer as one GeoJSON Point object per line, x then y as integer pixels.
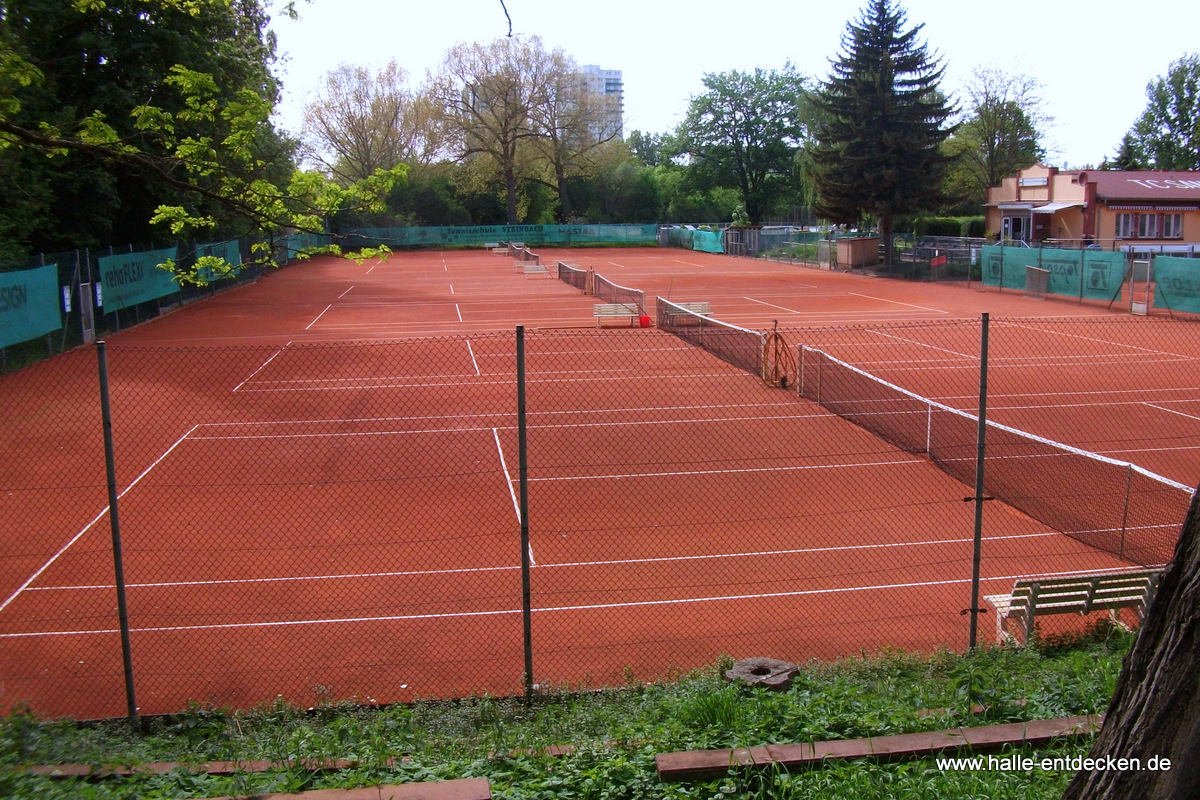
{"type": "Point", "coordinates": [28, 304]}
{"type": "Point", "coordinates": [131, 278]}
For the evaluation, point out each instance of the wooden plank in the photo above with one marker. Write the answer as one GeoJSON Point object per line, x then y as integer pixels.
{"type": "Point", "coordinates": [710, 764]}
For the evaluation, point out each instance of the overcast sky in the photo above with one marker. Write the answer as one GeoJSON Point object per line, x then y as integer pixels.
{"type": "Point", "coordinates": [1093, 58]}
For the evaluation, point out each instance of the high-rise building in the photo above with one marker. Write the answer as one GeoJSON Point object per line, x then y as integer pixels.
{"type": "Point", "coordinates": [606, 84]}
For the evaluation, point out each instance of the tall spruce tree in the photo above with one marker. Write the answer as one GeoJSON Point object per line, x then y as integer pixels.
{"type": "Point", "coordinates": [881, 124]}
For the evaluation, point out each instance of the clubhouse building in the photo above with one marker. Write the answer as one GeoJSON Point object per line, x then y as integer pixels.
{"type": "Point", "coordinates": [1143, 211]}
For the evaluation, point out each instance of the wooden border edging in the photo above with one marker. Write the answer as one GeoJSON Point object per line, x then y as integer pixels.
{"type": "Point", "coordinates": [461, 789]}
{"type": "Point", "coordinates": [709, 764]}
{"type": "Point", "coordinates": [217, 768]}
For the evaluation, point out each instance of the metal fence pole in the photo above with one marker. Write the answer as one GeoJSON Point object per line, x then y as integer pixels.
{"type": "Point", "coordinates": [523, 469]}
{"type": "Point", "coordinates": [979, 467]}
{"type": "Point", "coordinates": [114, 519]}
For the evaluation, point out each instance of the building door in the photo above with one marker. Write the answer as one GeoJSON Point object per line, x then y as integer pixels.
{"type": "Point", "coordinates": [1016, 228]}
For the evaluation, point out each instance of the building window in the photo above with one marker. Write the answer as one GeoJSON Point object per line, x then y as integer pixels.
{"type": "Point", "coordinates": [1147, 226]}
{"type": "Point", "coordinates": [1172, 226]}
{"type": "Point", "coordinates": [1126, 225]}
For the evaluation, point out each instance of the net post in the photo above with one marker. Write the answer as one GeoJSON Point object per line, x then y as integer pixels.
{"type": "Point", "coordinates": [800, 369]}
{"type": "Point", "coordinates": [980, 449]}
{"type": "Point", "coordinates": [929, 429]}
{"type": "Point", "coordinates": [820, 363]}
{"type": "Point", "coordinates": [1125, 510]}
{"type": "Point", "coordinates": [115, 523]}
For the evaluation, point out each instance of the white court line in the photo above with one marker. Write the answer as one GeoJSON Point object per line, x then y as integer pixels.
{"type": "Point", "coordinates": [605, 375]}
{"type": "Point", "coordinates": [314, 322]}
{"type": "Point", "coordinates": [747, 470]}
{"type": "Point", "coordinates": [344, 435]}
{"type": "Point", "coordinates": [464, 429]}
{"type": "Point", "coordinates": [1173, 411]}
{"type": "Point", "coordinates": [514, 611]}
{"type": "Point", "coordinates": [458, 311]}
{"type": "Point", "coordinates": [688, 263]}
{"type": "Point", "coordinates": [507, 477]}
{"type": "Point", "coordinates": [343, 294]}
{"type": "Point", "coordinates": [833, 317]}
{"type": "Point", "coordinates": [474, 363]}
{"type": "Point", "coordinates": [511, 493]}
{"type": "Point", "coordinates": [452, 288]}
{"type": "Point", "coordinates": [558, 565]}
{"type": "Point", "coordinates": [1180, 356]}
{"type": "Point", "coordinates": [262, 367]}
{"type": "Point", "coordinates": [485, 415]}
{"type": "Point", "coordinates": [772, 305]}
{"type": "Point", "coordinates": [615, 264]}
{"type": "Point", "coordinates": [897, 302]}
{"type": "Point", "coordinates": [95, 519]}
{"type": "Point", "coordinates": [923, 344]}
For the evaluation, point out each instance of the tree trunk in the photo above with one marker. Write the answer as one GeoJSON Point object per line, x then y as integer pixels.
{"type": "Point", "coordinates": [510, 191]}
{"type": "Point", "coordinates": [887, 225]}
{"type": "Point", "coordinates": [565, 211]}
{"type": "Point", "coordinates": [1155, 711]}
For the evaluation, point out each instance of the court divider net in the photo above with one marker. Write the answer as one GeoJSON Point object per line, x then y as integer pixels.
{"type": "Point", "coordinates": [611, 292]}
{"type": "Point", "coordinates": [740, 347]}
{"type": "Point", "coordinates": [573, 276]}
{"type": "Point", "coordinates": [1112, 505]}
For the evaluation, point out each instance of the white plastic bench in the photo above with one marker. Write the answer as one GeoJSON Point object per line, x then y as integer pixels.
{"type": "Point", "coordinates": [616, 311]}
{"type": "Point", "coordinates": [1077, 594]}
{"type": "Point", "coordinates": [697, 308]}
{"type": "Point", "coordinates": [532, 268]}
{"type": "Point", "coordinates": [678, 317]}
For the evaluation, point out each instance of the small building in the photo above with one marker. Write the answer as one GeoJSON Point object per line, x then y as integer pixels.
{"type": "Point", "coordinates": [1149, 211]}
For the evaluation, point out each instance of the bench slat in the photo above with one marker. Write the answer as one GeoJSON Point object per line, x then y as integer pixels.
{"type": "Point", "coordinates": [603, 310]}
{"type": "Point", "coordinates": [1080, 594]}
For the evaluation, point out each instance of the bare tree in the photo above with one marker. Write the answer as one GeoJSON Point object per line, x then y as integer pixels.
{"type": "Point", "coordinates": [573, 123]}
{"type": "Point", "coordinates": [1007, 118]}
{"type": "Point", "coordinates": [488, 95]}
{"type": "Point", "coordinates": [361, 122]}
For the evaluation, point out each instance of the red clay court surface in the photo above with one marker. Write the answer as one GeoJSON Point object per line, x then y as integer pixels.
{"type": "Point", "coordinates": [643, 563]}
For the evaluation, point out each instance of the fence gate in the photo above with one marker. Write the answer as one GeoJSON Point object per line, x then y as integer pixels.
{"type": "Point", "coordinates": [1140, 286]}
{"type": "Point", "coordinates": [87, 313]}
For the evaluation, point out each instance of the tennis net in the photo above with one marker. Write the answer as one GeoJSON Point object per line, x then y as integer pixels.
{"type": "Point", "coordinates": [611, 292]}
{"type": "Point", "coordinates": [520, 252]}
{"type": "Point", "coordinates": [1111, 505]}
{"type": "Point", "coordinates": [740, 347]}
{"type": "Point", "coordinates": [572, 275]}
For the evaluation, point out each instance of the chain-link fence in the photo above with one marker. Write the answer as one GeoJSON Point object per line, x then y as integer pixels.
{"type": "Point", "coordinates": [326, 522]}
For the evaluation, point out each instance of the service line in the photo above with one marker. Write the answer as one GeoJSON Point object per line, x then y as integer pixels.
{"type": "Point", "coordinates": [897, 302]}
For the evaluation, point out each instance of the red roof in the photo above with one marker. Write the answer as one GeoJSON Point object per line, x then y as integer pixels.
{"type": "Point", "coordinates": [1145, 185]}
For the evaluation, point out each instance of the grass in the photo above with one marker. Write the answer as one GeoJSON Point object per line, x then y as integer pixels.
{"type": "Point", "coordinates": [616, 733]}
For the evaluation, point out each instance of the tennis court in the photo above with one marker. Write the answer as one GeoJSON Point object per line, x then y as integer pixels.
{"type": "Point", "coordinates": [318, 494]}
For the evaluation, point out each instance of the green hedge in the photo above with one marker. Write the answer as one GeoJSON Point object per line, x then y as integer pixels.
{"type": "Point", "coordinates": [949, 226]}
